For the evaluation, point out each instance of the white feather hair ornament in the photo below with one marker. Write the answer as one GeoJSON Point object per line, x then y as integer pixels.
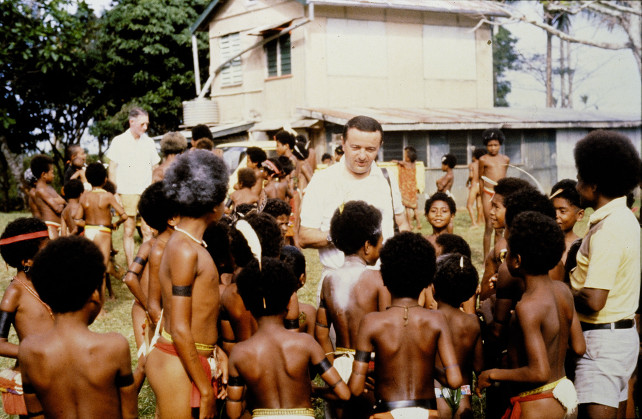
{"type": "Point", "coordinates": [251, 238]}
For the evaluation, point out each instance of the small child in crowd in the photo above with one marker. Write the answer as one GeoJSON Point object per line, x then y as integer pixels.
{"type": "Point", "coordinates": [307, 313]}
{"type": "Point", "coordinates": [269, 373]}
{"type": "Point", "coordinates": [456, 282]}
{"type": "Point", "coordinates": [568, 211]}
{"type": "Point", "coordinates": [94, 213]}
{"type": "Point", "coordinates": [445, 183]}
{"type": "Point", "coordinates": [474, 192]}
{"type": "Point", "coordinates": [20, 305]}
{"type": "Point", "coordinates": [70, 368]}
{"type": "Point", "coordinates": [440, 211]}
{"type": "Point", "coordinates": [545, 323]}
{"type": "Point", "coordinates": [408, 184]}
{"type": "Point", "coordinates": [245, 194]}
{"type": "Point", "coordinates": [76, 163]}
{"type": "Point", "coordinates": [406, 337]}
{"type": "Point", "coordinates": [280, 210]}
{"type": "Point", "coordinates": [49, 203]}
{"type": "Point", "coordinates": [71, 191]}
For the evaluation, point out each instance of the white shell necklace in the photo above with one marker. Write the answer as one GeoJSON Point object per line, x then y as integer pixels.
{"type": "Point", "coordinates": [197, 241]}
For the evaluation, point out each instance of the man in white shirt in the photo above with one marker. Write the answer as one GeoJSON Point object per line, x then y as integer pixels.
{"type": "Point", "coordinates": [132, 158]}
{"type": "Point", "coordinates": [355, 177]}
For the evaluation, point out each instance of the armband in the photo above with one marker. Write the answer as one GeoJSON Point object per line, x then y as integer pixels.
{"type": "Point", "coordinates": [140, 260]}
{"type": "Point", "coordinates": [35, 414]}
{"type": "Point", "coordinates": [182, 290]}
{"type": "Point", "coordinates": [235, 381]}
{"type": "Point", "coordinates": [332, 386]}
{"type": "Point", "coordinates": [129, 271]}
{"type": "Point", "coordinates": [362, 356]}
{"type": "Point", "coordinates": [124, 380]}
{"type": "Point", "coordinates": [6, 318]}
{"type": "Point", "coordinates": [28, 389]}
{"type": "Point", "coordinates": [325, 326]}
{"type": "Point", "coordinates": [291, 324]}
{"type": "Point", "coordinates": [322, 366]}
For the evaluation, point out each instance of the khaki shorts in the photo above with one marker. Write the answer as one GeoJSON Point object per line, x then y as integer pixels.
{"type": "Point", "coordinates": [130, 203]}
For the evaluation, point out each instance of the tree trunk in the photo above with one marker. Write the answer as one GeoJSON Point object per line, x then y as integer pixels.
{"type": "Point", "coordinates": [14, 161]}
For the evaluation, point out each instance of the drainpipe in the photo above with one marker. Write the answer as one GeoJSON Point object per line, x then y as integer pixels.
{"type": "Point", "coordinates": [197, 71]}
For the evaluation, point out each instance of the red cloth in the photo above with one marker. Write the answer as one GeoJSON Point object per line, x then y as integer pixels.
{"type": "Point", "coordinates": [515, 411]}
{"type": "Point", "coordinates": [195, 400]}
{"type": "Point", "coordinates": [14, 404]}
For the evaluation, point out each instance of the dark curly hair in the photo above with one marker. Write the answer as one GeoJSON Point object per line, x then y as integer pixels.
{"type": "Point", "coordinates": [246, 177]}
{"type": "Point", "coordinates": [73, 189]}
{"type": "Point", "coordinates": [493, 134]}
{"type": "Point", "coordinates": [508, 185]}
{"type": "Point", "coordinates": [109, 186]}
{"type": "Point", "coordinates": [14, 253]}
{"type": "Point", "coordinates": [217, 233]}
{"type": "Point", "coordinates": [40, 164]}
{"type": "Point", "coordinates": [455, 280]}
{"type": "Point", "coordinates": [538, 240]}
{"type": "Point", "coordinates": [285, 137]}
{"type": "Point", "coordinates": [173, 143]}
{"type": "Point", "coordinates": [201, 131]}
{"type": "Point", "coordinates": [440, 196]}
{"type": "Point", "coordinates": [155, 208]}
{"type": "Point", "coordinates": [286, 165]}
{"type": "Point", "coordinates": [527, 200]}
{"type": "Point", "coordinates": [354, 225]}
{"type": "Point", "coordinates": [256, 154]}
{"type": "Point", "coordinates": [407, 264]}
{"type": "Point", "coordinates": [266, 290]}
{"type": "Point", "coordinates": [449, 160]}
{"type": "Point", "coordinates": [293, 257]}
{"type": "Point", "coordinates": [96, 174]}
{"type": "Point", "coordinates": [478, 152]}
{"type": "Point", "coordinates": [67, 286]}
{"type": "Point", "coordinates": [452, 243]}
{"type": "Point", "coordinates": [609, 161]}
{"type": "Point", "coordinates": [565, 188]}
{"type": "Point", "coordinates": [300, 149]}
{"type": "Point", "coordinates": [276, 207]}
{"type": "Point", "coordinates": [196, 182]}
{"type": "Point", "coordinates": [268, 232]}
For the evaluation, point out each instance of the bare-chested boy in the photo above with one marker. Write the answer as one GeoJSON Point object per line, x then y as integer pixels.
{"type": "Point", "coordinates": [274, 364]}
{"type": "Point", "coordinates": [568, 211]}
{"type": "Point", "coordinates": [545, 322]}
{"type": "Point", "coordinates": [94, 213]}
{"type": "Point", "coordinates": [72, 191]}
{"type": "Point", "coordinates": [474, 190]}
{"type": "Point", "coordinates": [49, 203]}
{"type": "Point", "coordinates": [74, 372]}
{"type": "Point", "coordinates": [445, 183]}
{"type": "Point", "coordinates": [492, 167]}
{"type": "Point", "coordinates": [306, 313]}
{"type": "Point", "coordinates": [255, 158]}
{"type": "Point", "coordinates": [256, 234]}
{"type": "Point", "coordinates": [455, 282]}
{"type": "Point", "coordinates": [21, 305]}
{"type": "Point", "coordinates": [245, 194]}
{"type": "Point", "coordinates": [406, 337]}
{"type": "Point", "coordinates": [180, 367]}
{"type": "Point", "coordinates": [172, 144]}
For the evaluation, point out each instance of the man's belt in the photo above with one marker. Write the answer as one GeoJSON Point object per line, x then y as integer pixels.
{"type": "Point", "coordinates": [621, 324]}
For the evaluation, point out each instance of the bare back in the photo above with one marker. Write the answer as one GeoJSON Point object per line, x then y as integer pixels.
{"type": "Point", "coordinates": [96, 206]}
{"type": "Point", "coordinates": [49, 203]}
{"type": "Point", "coordinates": [348, 294]}
{"type": "Point", "coordinates": [466, 335]}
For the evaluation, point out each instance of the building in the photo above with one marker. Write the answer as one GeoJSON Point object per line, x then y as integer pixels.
{"type": "Point", "coordinates": [423, 68]}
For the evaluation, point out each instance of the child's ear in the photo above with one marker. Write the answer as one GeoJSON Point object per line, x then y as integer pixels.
{"type": "Point", "coordinates": [302, 280]}
{"type": "Point", "coordinates": [580, 214]}
{"type": "Point", "coordinates": [173, 222]}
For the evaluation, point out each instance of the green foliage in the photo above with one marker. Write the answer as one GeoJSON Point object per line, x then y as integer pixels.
{"type": "Point", "coordinates": [147, 61]}
{"type": "Point", "coordinates": [504, 58]}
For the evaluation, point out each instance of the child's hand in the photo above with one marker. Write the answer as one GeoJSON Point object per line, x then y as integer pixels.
{"type": "Point", "coordinates": [483, 381]}
{"type": "Point", "coordinates": [492, 281]}
{"type": "Point", "coordinates": [208, 406]}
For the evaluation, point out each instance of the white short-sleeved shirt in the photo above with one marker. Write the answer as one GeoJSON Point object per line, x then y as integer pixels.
{"type": "Point", "coordinates": [135, 160]}
{"type": "Point", "coordinates": [331, 187]}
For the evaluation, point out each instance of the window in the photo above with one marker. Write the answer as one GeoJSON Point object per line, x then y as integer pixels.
{"type": "Point", "coordinates": [278, 56]}
{"type": "Point", "coordinates": [445, 142]}
{"type": "Point", "coordinates": [232, 73]}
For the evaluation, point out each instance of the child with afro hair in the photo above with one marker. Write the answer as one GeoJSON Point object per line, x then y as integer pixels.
{"type": "Point", "coordinates": [71, 191]}
{"type": "Point", "coordinates": [245, 194]}
{"type": "Point", "coordinates": [536, 354]}
{"type": "Point", "coordinates": [306, 313]}
{"type": "Point", "coordinates": [271, 369]}
{"type": "Point", "coordinates": [445, 183]}
{"type": "Point", "coordinates": [21, 305]}
{"type": "Point", "coordinates": [96, 381]}
{"type": "Point", "coordinates": [455, 283]}
{"type": "Point", "coordinates": [49, 203]}
{"type": "Point", "coordinates": [280, 210]}
{"type": "Point", "coordinates": [178, 369]}
{"type": "Point", "coordinates": [406, 337]}
{"type": "Point", "coordinates": [440, 210]}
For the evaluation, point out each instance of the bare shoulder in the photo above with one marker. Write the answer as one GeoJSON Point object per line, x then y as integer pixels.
{"type": "Point", "coordinates": [11, 298]}
{"type": "Point", "coordinates": [371, 276]}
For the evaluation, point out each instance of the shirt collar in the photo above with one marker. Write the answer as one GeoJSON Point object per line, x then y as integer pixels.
{"type": "Point", "coordinates": [607, 210]}
{"type": "Point", "coordinates": [375, 170]}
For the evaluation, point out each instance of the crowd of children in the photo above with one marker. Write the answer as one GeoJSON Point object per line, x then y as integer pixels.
{"type": "Point", "coordinates": [218, 324]}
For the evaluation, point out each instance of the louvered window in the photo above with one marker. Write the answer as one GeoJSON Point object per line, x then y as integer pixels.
{"type": "Point", "coordinates": [277, 53]}
{"type": "Point", "coordinates": [232, 74]}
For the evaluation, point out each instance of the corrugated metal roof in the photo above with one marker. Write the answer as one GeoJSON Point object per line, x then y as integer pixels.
{"type": "Point", "coordinates": [473, 7]}
{"type": "Point", "coordinates": [415, 119]}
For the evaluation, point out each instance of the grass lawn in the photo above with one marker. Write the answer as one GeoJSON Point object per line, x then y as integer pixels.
{"type": "Point", "coordinates": [116, 316]}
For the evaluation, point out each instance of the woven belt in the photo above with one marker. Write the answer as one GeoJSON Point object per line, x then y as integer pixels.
{"type": "Point", "coordinates": [621, 324]}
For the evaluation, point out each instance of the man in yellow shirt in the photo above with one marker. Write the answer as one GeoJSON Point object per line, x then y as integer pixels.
{"type": "Point", "coordinates": [606, 280]}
